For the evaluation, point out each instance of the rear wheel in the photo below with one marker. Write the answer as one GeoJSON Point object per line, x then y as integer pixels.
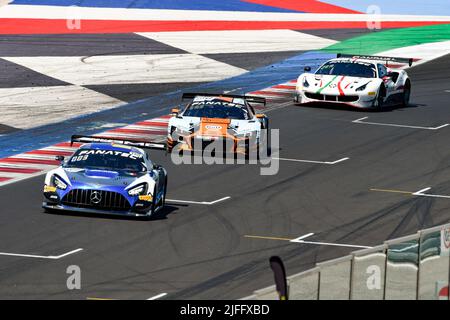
{"type": "Point", "coordinates": [406, 94]}
{"type": "Point", "coordinates": [266, 140]}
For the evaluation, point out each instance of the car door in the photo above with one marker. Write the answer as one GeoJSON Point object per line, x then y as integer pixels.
{"type": "Point", "coordinates": [388, 81]}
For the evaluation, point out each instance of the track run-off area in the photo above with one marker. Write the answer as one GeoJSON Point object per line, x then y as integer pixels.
{"type": "Point", "coordinates": [347, 179]}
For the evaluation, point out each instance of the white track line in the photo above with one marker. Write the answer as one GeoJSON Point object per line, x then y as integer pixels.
{"type": "Point", "coordinates": [299, 239]}
{"type": "Point", "coordinates": [360, 121]}
{"type": "Point", "coordinates": [199, 202]}
{"type": "Point", "coordinates": [313, 161]}
{"type": "Point", "coordinates": [422, 194]}
{"type": "Point", "coordinates": [332, 244]}
{"type": "Point", "coordinates": [41, 257]}
{"type": "Point", "coordinates": [157, 296]}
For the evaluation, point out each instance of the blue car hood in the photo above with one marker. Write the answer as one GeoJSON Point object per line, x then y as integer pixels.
{"type": "Point", "coordinates": [96, 178]}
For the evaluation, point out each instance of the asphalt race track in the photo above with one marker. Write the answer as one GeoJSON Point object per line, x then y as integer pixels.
{"type": "Point", "coordinates": [200, 251]}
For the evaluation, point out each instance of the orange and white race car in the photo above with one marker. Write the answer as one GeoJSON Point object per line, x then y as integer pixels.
{"type": "Point", "coordinates": [224, 122]}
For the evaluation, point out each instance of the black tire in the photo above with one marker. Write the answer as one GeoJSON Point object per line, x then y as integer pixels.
{"type": "Point", "coordinates": [153, 209]}
{"type": "Point", "coordinates": [168, 149]}
{"type": "Point", "coordinates": [266, 142]}
{"type": "Point", "coordinates": [406, 94]}
{"type": "Point", "coordinates": [295, 100]}
{"type": "Point", "coordinates": [164, 194]}
{"type": "Point", "coordinates": [379, 101]}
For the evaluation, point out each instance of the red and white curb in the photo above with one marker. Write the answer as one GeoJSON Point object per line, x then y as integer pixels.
{"type": "Point", "coordinates": [33, 163]}
{"type": "Point", "coordinates": [37, 162]}
{"type": "Point", "coordinates": [277, 92]}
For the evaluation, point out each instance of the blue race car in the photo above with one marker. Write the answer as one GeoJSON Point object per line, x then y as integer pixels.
{"type": "Point", "coordinates": [107, 176]}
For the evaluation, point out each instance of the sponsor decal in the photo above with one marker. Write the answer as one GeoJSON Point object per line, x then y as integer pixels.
{"type": "Point", "coordinates": [146, 198]}
{"type": "Point", "coordinates": [49, 189]}
{"type": "Point", "coordinates": [216, 103]}
{"type": "Point", "coordinates": [442, 290]}
{"type": "Point", "coordinates": [83, 154]}
{"type": "Point", "coordinates": [445, 242]}
{"type": "Point", "coordinates": [321, 89]}
{"type": "Point", "coordinates": [213, 127]}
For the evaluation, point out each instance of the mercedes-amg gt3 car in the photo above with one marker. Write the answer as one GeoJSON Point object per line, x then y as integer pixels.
{"type": "Point", "coordinates": [218, 119]}
{"type": "Point", "coordinates": [108, 177]}
{"type": "Point", "coordinates": [368, 82]}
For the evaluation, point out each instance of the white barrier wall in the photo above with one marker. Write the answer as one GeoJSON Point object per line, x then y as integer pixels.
{"type": "Point", "coordinates": [335, 279]}
{"type": "Point", "coordinates": [408, 268]}
{"type": "Point", "coordinates": [368, 274]}
{"type": "Point", "coordinates": [305, 285]}
{"type": "Point", "coordinates": [402, 268]}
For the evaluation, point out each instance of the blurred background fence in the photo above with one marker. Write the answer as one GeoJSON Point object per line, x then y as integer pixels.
{"type": "Point", "coordinates": [415, 267]}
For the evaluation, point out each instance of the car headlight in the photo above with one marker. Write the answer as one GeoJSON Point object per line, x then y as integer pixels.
{"type": "Point", "coordinates": [59, 183]}
{"type": "Point", "coordinates": [180, 132]}
{"type": "Point", "coordinates": [138, 190]}
{"type": "Point", "coordinates": [362, 88]}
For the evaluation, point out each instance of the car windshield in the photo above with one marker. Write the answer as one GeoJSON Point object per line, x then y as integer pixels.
{"type": "Point", "coordinates": [350, 69]}
{"type": "Point", "coordinates": [107, 160]}
{"type": "Point", "coordinates": [217, 109]}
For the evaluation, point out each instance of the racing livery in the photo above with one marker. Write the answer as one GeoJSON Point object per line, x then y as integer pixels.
{"type": "Point", "coordinates": [218, 119]}
{"type": "Point", "coordinates": [111, 177]}
{"type": "Point", "coordinates": [358, 81]}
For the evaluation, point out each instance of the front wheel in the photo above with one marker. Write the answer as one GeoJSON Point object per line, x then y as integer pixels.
{"type": "Point", "coordinates": [296, 99]}
{"type": "Point", "coordinates": [379, 101]}
{"type": "Point", "coordinates": [406, 94]}
{"type": "Point", "coordinates": [151, 213]}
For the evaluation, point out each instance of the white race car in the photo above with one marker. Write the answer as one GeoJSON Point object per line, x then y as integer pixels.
{"type": "Point", "coordinates": [218, 120]}
{"type": "Point", "coordinates": [370, 82]}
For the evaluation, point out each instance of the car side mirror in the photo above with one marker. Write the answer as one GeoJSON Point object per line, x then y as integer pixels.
{"type": "Point", "coordinates": [260, 115]}
{"type": "Point", "coordinates": [307, 69]}
{"type": "Point", "coordinates": [59, 158]}
{"type": "Point", "coordinates": [175, 112]}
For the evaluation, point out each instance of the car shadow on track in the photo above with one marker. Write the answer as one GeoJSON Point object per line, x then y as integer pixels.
{"type": "Point", "coordinates": [161, 215]}
{"type": "Point", "coordinates": [354, 109]}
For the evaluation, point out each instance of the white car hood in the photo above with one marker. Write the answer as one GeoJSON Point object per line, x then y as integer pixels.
{"type": "Point", "coordinates": [239, 126]}
{"type": "Point", "coordinates": [336, 85]}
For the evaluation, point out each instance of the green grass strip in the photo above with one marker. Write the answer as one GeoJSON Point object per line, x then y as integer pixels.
{"type": "Point", "coordinates": [379, 41]}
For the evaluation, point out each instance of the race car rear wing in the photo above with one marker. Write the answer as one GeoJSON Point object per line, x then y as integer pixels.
{"type": "Point", "coordinates": [408, 61]}
{"type": "Point", "coordinates": [249, 99]}
{"type": "Point", "coordinates": [127, 142]}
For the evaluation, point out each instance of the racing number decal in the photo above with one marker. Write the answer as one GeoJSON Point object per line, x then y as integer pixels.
{"type": "Point", "coordinates": [79, 158]}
